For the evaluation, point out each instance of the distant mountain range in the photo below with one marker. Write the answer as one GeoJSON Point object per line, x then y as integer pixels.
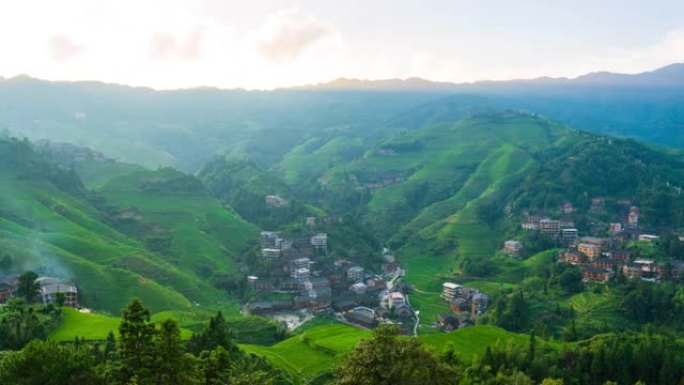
{"type": "Point", "coordinates": [668, 76]}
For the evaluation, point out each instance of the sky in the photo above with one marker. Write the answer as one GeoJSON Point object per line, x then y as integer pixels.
{"type": "Point", "coordinates": [265, 44]}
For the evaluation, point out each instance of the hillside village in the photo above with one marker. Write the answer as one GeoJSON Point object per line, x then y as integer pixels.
{"type": "Point", "coordinates": [608, 249]}
{"type": "Point", "coordinates": [298, 278]}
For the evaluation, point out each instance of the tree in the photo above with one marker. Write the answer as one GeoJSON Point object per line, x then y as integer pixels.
{"type": "Point", "coordinates": [216, 334]}
{"type": "Point", "coordinates": [136, 348]}
{"type": "Point", "coordinates": [60, 299]}
{"type": "Point", "coordinates": [172, 366]}
{"type": "Point", "coordinates": [387, 360]}
{"type": "Point", "coordinates": [27, 286]}
{"type": "Point", "coordinates": [48, 363]}
{"type": "Point", "coordinates": [571, 280]}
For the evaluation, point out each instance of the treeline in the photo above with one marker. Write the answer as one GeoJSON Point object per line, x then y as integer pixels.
{"type": "Point", "coordinates": [627, 359]}
{"type": "Point", "coordinates": [20, 155]}
{"type": "Point", "coordinates": [148, 353]}
{"type": "Point", "coordinates": [144, 354]}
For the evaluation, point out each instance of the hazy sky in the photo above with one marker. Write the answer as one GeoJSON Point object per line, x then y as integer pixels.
{"type": "Point", "coordinates": [271, 43]}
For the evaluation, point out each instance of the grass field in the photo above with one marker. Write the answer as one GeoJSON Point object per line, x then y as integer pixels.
{"type": "Point", "coordinates": [315, 352]}
{"type": "Point", "coordinates": [312, 353]}
{"type": "Point", "coordinates": [95, 326]}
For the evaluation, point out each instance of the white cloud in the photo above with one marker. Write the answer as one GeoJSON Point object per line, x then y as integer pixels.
{"type": "Point", "coordinates": [166, 46]}
{"type": "Point", "coordinates": [62, 48]}
{"type": "Point", "coordinates": [287, 34]}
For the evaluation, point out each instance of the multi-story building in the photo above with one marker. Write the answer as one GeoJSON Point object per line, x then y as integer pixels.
{"type": "Point", "coordinates": [300, 274]}
{"type": "Point", "coordinates": [590, 250]}
{"type": "Point", "coordinates": [569, 236]}
{"type": "Point", "coordinates": [602, 243]}
{"type": "Point", "coordinates": [574, 257]}
{"type": "Point", "coordinates": [590, 273]}
{"type": "Point", "coordinates": [355, 273]}
{"type": "Point", "coordinates": [450, 290]}
{"type": "Point", "coordinates": [605, 263]}
{"type": "Point", "coordinates": [52, 288]}
{"type": "Point", "coordinates": [319, 240]}
{"type": "Point", "coordinates": [550, 227]}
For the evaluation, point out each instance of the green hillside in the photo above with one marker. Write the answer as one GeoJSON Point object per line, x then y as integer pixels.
{"type": "Point", "coordinates": [317, 351]}
{"type": "Point", "coordinates": [51, 224]}
{"type": "Point", "coordinates": [173, 215]}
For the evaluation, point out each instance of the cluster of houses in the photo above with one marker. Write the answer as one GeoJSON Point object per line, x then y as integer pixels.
{"type": "Point", "coordinates": [466, 305]}
{"type": "Point", "coordinates": [299, 275]}
{"type": "Point", "coordinates": [599, 257]}
{"type": "Point", "coordinates": [599, 260]}
{"type": "Point", "coordinates": [50, 289]}
{"type": "Point", "coordinates": [563, 226]}
{"type": "Point", "coordinates": [393, 308]}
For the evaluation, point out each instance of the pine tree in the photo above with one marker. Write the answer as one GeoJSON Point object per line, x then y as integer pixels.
{"type": "Point", "coordinates": [172, 365]}
{"type": "Point", "coordinates": [136, 349]}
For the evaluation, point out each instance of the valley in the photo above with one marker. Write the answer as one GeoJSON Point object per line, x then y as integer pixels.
{"type": "Point", "coordinates": [474, 223]}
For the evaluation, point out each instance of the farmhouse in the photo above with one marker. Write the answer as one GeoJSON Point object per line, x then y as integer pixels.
{"type": "Point", "coordinates": [275, 201]}
{"type": "Point", "coordinates": [51, 287]}
{"type": "Point", "coordinates": [512, 248]}
{"type": "Point", "coordinates": [362, 316]}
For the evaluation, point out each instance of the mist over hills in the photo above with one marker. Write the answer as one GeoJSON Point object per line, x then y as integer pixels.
{"type": "Point", "coordinates": [187, 128]}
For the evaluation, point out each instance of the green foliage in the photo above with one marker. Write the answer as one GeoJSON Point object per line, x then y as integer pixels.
{"type": "Point", "coordinates": [509, 311]}
{"type": "Point", "coordinates": [216, 334]}
{"type": "Point", "coordinates": [48, 363]}
{"type": "Point", "coordinates": [27, 287]}
{"type": "Point", "coordinates": [136, 348]}
{"type": "Point", "coordinates": [387, 360]}
{"type": "Point", "coordinates": [20, 324]}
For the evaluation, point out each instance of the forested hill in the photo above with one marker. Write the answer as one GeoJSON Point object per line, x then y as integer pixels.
{"type": "Point", "coordinates": [155, 235]}
{"type": "Point", "coordinates": [187, 128]}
